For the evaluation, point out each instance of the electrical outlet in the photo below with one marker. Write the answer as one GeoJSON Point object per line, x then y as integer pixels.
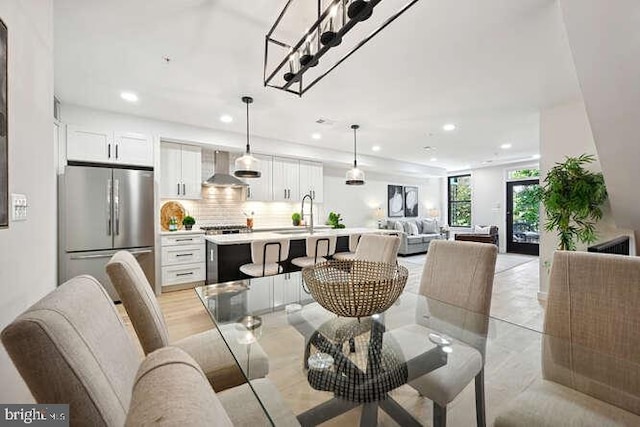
{"type": "Point", "coordinates": [19, 207]}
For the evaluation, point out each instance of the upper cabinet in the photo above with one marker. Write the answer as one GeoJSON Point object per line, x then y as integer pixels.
{"type": "Point", "coordinates": [286, 179]}
{"type": "Point", "coordinates": [106, 146]}
{"type": "Point", "coordinates": [260, 189]}
{"type": "Point", "coordinates": [180, 171]}
{"type": "Point", "coordinates": [311, 180]}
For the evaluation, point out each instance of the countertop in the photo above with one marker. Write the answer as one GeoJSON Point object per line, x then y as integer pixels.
{"type": "Point", "coordinates": [235, 239]}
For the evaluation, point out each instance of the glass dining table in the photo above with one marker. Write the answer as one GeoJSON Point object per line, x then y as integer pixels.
{"type": "Point", "coordinates": [347, 371]}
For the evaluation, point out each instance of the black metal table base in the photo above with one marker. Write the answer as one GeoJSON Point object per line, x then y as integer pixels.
{"type": "Point", "coordinates": [336, 407]}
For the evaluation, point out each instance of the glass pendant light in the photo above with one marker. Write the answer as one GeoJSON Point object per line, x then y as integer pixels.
{"type": "Point", "coordinates": [247, 165]}
{"type": "Point", "coordinates": [355, 176]}
{"type": "Point", "coordinates": [360, 10]}
{"type": "Point", "coordinates": [331, 37]}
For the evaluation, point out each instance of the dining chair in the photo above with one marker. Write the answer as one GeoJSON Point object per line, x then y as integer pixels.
{"type": "Point", "coordinates": [456, 274]}
{"type": "Point", "coordinates": [378, 248]}
{"type": "Point", "coordinates": [266, 257]}
{"type": "Point", "coordinates": [590, 346]}
{"type": "Point", "coordinates": [354, 239]}
{"type": "Point", "coordinates": [318, 248]}
{"type": "Point", "coordinates": [71, 347]}
{"type": "Point", "coordinates": [207, 348]}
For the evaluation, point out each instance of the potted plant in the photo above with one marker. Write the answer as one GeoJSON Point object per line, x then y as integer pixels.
{"type": "Point", "coordinates": [334, 220]}
{"type": "Point", "coordinates": [573, 197]}
{"type": "Point", "coordinates": [296, 218]}
{"type": "Point", "coordinates": [188, 222]}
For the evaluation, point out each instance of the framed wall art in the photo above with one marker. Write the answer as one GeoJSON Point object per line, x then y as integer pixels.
{"type": "Point", "coordinates": [410, 201]}
{"type": "Point", "coordinates": [4, 128]}
{"type": "Point", "coordinates": [395, 201]}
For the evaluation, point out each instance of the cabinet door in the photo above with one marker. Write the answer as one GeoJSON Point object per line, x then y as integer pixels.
{"type": "Point", "coordinates": [286, 289]}
{"type": "Point", "coordinates": [133, 149]}
{"type": "Point", "coordinates": [170, 171]}
{"type": "Point", "coordinates": [90, 145]}
{"type": "Point", "coordinates": [292, 168]}
{"type": "Point", "coordinates": [279, 179]}
{"type": "Point", "coordinates": [260, 189]}
{"type": "Point", "coordinates": [305, 185]}
{"type": "Point", "coordinates": [191, 182]}
{"type": "Point", "coordinates": [316, 177]}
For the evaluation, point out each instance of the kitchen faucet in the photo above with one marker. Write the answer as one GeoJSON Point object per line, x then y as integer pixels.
{"type": "Point", "coordinates": [310, 226]}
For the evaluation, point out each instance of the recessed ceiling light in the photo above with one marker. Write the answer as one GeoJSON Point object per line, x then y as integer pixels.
{"type": "Point", "coordinates": [535, 156]}
{"type": "Point", "coordinates": [433, 159]}
{"type": "Point", "coordinates": [225, 118]}
{"type": "Point", "coordinates": [505, 146]}
{"type": "Point", "coordinates": [316, 136]}
{"type": "Point", "coordinates": [129, 96]}
{"type": "Point", "coordinates": [376, 148]}
{"type": "Point", "coordinates": [449, 127]}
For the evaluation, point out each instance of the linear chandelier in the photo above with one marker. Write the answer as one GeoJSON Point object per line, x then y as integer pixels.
{"type": "Point", "coordinates": [302, 46]}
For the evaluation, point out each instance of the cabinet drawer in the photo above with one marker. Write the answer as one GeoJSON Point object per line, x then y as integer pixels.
{"type": "Point", "coordinates": [183, 239]}
{"type": "Point", "coordinates": [173, 275]}
{"type": "Point", "coordinates": [184, 254]}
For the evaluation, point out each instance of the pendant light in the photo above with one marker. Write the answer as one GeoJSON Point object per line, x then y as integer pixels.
{"type": "Point", "coordinates": [247, 165]}
{"type": "Point", "coordinates": [355, 176]}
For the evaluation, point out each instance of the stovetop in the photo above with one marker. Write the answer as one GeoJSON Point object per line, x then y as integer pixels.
{"type": "Point", "coordinates": [225, 229]}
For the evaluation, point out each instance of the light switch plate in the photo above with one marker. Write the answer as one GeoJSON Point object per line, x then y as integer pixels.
{"type": "Point", "coordinates": [19, 207]}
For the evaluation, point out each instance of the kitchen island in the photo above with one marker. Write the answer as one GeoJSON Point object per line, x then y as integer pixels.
{"type": "Point", "coordinates": [227, 252]}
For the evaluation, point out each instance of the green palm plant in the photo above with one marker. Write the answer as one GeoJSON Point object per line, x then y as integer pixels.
{"type": "Point", "coordinates": [573, 197]}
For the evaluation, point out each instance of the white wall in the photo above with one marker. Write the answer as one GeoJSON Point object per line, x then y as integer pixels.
{"type": "Point", "coordinates": [565, 131]}
{"type": "Point", "coordinates": [28, 249]}
{"type": "Point", "coordinates": [358, 204]}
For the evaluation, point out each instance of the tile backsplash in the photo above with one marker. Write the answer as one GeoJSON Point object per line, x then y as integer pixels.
{"type": "Point", "coordinates": [227, 206]}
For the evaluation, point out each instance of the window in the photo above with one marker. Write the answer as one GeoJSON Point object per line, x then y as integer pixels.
{"type": "Point", "coordinates": [459, 190]}
{"type": "Point", "coordinates": [517, 174]}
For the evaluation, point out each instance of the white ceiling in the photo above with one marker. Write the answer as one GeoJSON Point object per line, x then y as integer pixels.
{"type": "Point", "coordinates": [488, 66]}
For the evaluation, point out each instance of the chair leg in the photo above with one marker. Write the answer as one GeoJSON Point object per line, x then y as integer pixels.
{"type": "Point", "coordinates": [352, 345]}
{"type": "Point", "coordinates": [439, 415]}
{"type": "Point", "coordinates": [480, 414]}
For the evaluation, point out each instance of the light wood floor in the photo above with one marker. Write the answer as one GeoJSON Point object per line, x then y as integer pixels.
{"type": "Point", "coordinates": [512, 361]}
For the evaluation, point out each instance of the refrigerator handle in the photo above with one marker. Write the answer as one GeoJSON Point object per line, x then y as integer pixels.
{"type": "Point", "coordinates": [116, 205]}
{"type": "Point", "coordinates": [108, 207]}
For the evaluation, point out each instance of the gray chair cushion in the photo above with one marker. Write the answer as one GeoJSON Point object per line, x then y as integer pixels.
{"type": "Point", "coordinates": [170, 389]}
{"type": "Point", "coordinates": [72, 347]}
{"type": "Point", "coordinates": [548, 404]}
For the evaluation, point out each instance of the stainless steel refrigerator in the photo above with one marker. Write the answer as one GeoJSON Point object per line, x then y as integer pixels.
{"type": "Point", "coordinates": [103, 210]}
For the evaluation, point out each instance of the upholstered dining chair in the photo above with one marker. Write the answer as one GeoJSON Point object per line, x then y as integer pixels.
{"type": "Point", "coordinates": [71, 347]}
{"type": "Point", "coordinates": [266, 257]}
{"type": "Point", "coordinates": [378, 248]}
{"type": "Point", "coordinates": [456, 274]}
{"type": "Point", "coordinates": [354, 239]}
{"type": "Point", "coordinates": [207, 348]}
{"type": "Point", "coordinates": [590, 347]}
{"type": "Point", "coordinates": [318, 248]}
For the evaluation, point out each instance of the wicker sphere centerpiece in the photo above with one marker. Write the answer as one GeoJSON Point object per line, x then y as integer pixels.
{"type": "Point", "coordinates": [353, 288]}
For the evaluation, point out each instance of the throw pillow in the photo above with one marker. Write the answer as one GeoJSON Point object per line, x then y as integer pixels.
{"type": "Point", "coordinates": [430, 226]}
{"type": "Point", "coordinates": [482, 230]}
{"type": "Point", "coordinates": [407, 229]}
{"type": "Point", "coordinates": [413, 229]}
{"type": "Point", "coordinates": [398, 226]}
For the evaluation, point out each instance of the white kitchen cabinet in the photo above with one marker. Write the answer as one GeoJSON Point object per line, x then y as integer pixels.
{"type": "Point", "coordinates": [286, 289]}
{"type": "Point", "coordinates": [98, 145]}
{"type": "Point", "coordinates": [259, 189]}
{"type": "Point", "coordinates": [286, 179]}
{"type": "Point", "coordinates": [183, 259]}
{"type": "Point", "coordinates": [311, 180]}
{"type": "Point", "coordinates": [180, 171]}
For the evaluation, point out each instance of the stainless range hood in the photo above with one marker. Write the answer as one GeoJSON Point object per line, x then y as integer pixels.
{"type": "Point", "coordinates": [221, 176]}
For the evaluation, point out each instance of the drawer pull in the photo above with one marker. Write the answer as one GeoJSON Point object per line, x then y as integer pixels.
{"type": "Point", "coordinates": [191, 254]}
{"type": "Point", "coordinates": [185, 240]}
{"type": "Point", "coordinates": [185, 274]}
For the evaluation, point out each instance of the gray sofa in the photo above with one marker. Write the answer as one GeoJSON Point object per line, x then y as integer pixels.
{"type": "Point", "coordinates": [411, 242]}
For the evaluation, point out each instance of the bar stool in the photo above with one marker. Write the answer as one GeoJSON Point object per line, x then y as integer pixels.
{"type": "Point", "coordinates": [318, 247]}
{"type": "Point", "coordinates": [266, 256]}
{"type": "Point", "coordinates": [354, 239]}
